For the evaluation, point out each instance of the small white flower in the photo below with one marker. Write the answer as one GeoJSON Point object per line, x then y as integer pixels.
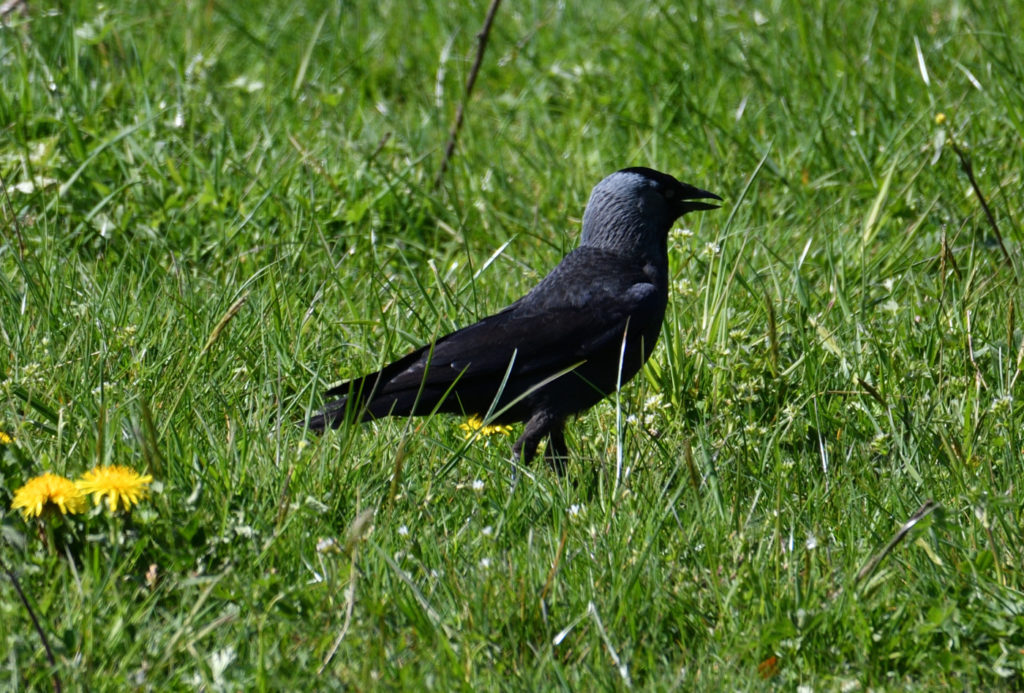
{"type": "Point", "coordinates": [485, 562]}
{"type": "Point", "coordinates": [326, 545]}
{"type": "Point", "coordinates": [575, 510]}
{"type": "Point", "coordinates": [246, 84]}
{"type": "Point", "coordinates": [487, 531]}
{"type": "Point", "coordinates": [30, 186]}
{"type": "Point", "coordinates": [403, 531]}
{"type": "Point", "coordinates": [654, 400]}
{"type": "Point", "coordinates": [220, 660]}
{"type": "Point", "coordinates": [684, 287]}
{"type": "Point", "coordinates": [789, 413]}
{"type": "Point", "coordinates": [478, 485]}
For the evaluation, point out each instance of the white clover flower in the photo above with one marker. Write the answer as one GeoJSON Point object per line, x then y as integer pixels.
{"type": "Point", "coordinates": [711, 249]}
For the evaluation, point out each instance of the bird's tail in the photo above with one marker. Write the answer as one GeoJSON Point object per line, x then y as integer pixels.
{"type": "Point", "coordinates": [359, 400]}
{"type": "Point", "coordinates": [331, 416]}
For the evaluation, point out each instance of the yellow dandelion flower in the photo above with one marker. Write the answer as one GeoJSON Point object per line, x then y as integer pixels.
{"type": "Point", "coordinates": [5, 439]}
{"type": "Point", "coordinates": [119, 484]}
{"type": "Point", "coordinates": [940, 118]}
{"type": "Point", "coordinates": [46, 491]}
{"type": "Point", "coordinates": [475, 426]}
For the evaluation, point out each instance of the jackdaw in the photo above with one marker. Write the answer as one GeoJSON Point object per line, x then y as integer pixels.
{"type": "Point", "coordinates": [575, 338]}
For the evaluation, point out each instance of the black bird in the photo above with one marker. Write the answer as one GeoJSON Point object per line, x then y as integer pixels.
{"type": "Point", "coordinates": [584, 330]}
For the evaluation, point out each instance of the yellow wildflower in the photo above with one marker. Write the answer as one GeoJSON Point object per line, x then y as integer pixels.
{"type": "Point", "coordinates": [117, 483]}
{"type": "Point", "coordinates": [45, 491]}
{"type": "Point", "coordinates": [475, 426]}
{"type": "Point", "coordinates": [5, 439]}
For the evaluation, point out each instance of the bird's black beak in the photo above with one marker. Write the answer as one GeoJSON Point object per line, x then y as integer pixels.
{"type": "Point", "coordinates": [690, 194]}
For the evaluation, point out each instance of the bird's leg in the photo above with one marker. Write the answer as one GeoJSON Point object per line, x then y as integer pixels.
{"type": "Point", "coordinates": [557, 452]}
{"type": "Point", "coordinates": [538, 426]}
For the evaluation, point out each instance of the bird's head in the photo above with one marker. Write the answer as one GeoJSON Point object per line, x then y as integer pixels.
{"type": "Point", "coordinates": [632, 210]}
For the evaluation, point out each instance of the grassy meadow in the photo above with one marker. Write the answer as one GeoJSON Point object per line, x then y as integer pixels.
{"type": "Point", "coordinates": [213, 210]}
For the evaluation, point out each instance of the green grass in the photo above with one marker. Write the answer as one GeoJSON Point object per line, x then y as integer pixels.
{"type": "Point", "coordinates": [843, 344]}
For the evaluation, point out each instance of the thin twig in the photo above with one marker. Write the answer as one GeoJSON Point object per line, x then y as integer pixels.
{"type": "Point", "coordinates": [966, 167]}
{"type": "Point", "coordinates": [35, 622]}
{"type": "Point", "coordinates": [460, 112]}
{"type": "Point", "coordinates": [554, 565]}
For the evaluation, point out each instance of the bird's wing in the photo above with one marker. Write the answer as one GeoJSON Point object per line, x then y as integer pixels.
{"type": "Point", "coordinates": [540, 341]}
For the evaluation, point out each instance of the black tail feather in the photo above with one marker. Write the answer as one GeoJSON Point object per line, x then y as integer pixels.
{"type": "Point", "coordinates": [331, 416]}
